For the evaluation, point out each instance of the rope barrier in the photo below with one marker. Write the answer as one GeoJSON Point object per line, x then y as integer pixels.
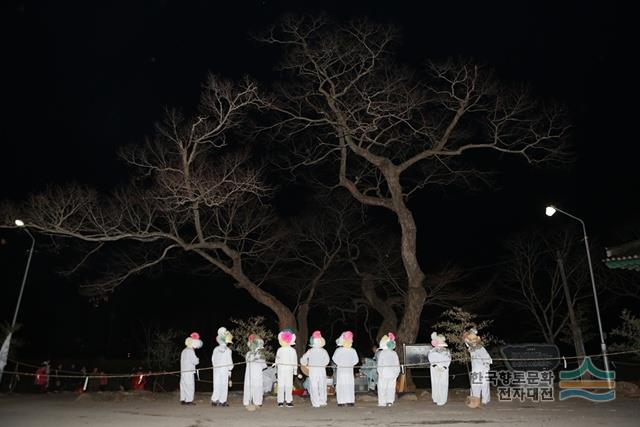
{"type": "Point", "coordinates": [79, 375]}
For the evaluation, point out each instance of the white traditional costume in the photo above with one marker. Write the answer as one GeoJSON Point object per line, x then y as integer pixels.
{"type": "Point", "coordinates": [222, 366]}
{"type": "Point", "coordinates": [188, 363]}
{"type": "Point", "coordinates": [439, 359]}
{"type": "Point", "coordinates": [388, 370]}
{"type": "Point", "coordinates": [480, 366]}
{"type": "Point", "coordinates": [317, 358]}
{"type": "Point", "coordinates": [253, 387]}
{"type": "Point", "coordinates": [345, 358]}
{"type": "Point", "coordinates": [287, 364]}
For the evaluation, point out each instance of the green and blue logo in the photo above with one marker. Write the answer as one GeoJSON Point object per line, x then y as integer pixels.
{"type": "Point", "coordinates": [572, 386]}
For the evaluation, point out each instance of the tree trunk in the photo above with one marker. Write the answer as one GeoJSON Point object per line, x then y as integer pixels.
{"type": "Point", "coordinates": [303, 328]}
{"type": "Point", "coordinates": [383, 308]}
{"type": "Point", "coordinates": [416, 294]}
{"type": "Point", "coordinates": [576, 331]}
{"type": "Point", "coordinates": [302, 315]}
{"type": "Point", "coordinates": [286, 319]}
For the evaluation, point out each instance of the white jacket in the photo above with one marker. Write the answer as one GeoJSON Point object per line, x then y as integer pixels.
{"type": "Point", "coordinates": [221, 360]}
{"type": "Point", "coordinates": [441, 357]}
{"type": "Point", "coordinates": [286, 361]}
{"type": "Point", "coordinates": [480, 359]}
{"type": "Point", "coordinates": [317, 359]}
{"type": "Point", "coordinates": [388, 364]}
{"type": "Point", "coordinates": [188, 361]}
{"type": "Point", "coordinates": [345, 359]}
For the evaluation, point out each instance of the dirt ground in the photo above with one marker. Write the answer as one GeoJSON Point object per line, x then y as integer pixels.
{"type": "Point", "coordinates": [144, 409]}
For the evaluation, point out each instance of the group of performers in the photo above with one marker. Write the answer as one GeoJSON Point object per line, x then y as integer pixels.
{"type": "Point", "coordinates": [315, 361]}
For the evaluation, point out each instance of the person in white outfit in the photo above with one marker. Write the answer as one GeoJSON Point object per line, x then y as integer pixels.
{"type": "Point", "coordinates": [188, 363]}
{"type": "Point", "coordinates": [345, 358]}
{"type": "Point", "coordinates": [287, 366]}
{"type": "Point", "coordinates": [439, 359]}
{"type": "Point", "coordinates": [253, 387]}
{"type": "Point", "coordinates": [222, 365]}
{"type": "Point", "coordinates": [388, 370]}
{"type": "Point", "coordinates": [317, 359]}
{"type": "Point", "coordinates": [480, 366]}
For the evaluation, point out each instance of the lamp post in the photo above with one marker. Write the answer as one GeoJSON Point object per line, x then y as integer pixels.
{"type": "Point", "coordinates": [20, 224]}
{"type": "Point", "coordinates": [549, 211]}
{"type": "Point", "coordinates": [4, 350]}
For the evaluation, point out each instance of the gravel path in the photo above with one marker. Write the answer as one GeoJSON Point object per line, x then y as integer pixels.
{"type": "Point", "coordinates": [158, 410]}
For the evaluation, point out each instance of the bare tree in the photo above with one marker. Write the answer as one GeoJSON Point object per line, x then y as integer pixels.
{"type": "Point", "coordinates": [305, 262]}
{"type": "Point", "coordinates": [536, 284]}
{"type": "Point", "coordinates": [195, 192]}
{"type": "Point", "coordinates": [381, 285]}
{"type": "Point", "coordinates": [389, 132]}
{"type": "Point", "coordinates": [383, 282]}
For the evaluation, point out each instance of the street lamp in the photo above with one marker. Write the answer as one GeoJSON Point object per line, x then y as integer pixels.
{"type": "Point", "coordinates": [20, 224]}
{"type": "Point", "coordinates": [4, 351]}
{"type": "Point", "coordinates": [549, 211]}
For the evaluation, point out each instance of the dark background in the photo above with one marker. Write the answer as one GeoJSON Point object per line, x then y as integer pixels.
{"type": "Point", "coordinates": [80, 79]}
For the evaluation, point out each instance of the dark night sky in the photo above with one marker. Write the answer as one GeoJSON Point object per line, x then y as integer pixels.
{"type": "Point", "coordinates": [82, 78]}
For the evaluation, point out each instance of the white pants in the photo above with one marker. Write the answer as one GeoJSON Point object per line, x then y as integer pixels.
{"type": "Point", "coordinates": [480, 386]}
{"type": "Point", "coordinates": [253, 395]}
{"type": "Point", "coordinates": [220, 386]}
{"type": "Point", "coordinates": [439, 385]}
{"type": "Point", "coordinates": [187, 387]}
{"type": "Point", "coordinates": [285, 392]}
{"type": "Point", "coordinates": [285, 385]}
{"type": "Point", "coordinates": [345, 388]}
{"type": "Point", "coordinates": [318, 390]}
{"type": "Point", "coordinates": [386, 390]}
